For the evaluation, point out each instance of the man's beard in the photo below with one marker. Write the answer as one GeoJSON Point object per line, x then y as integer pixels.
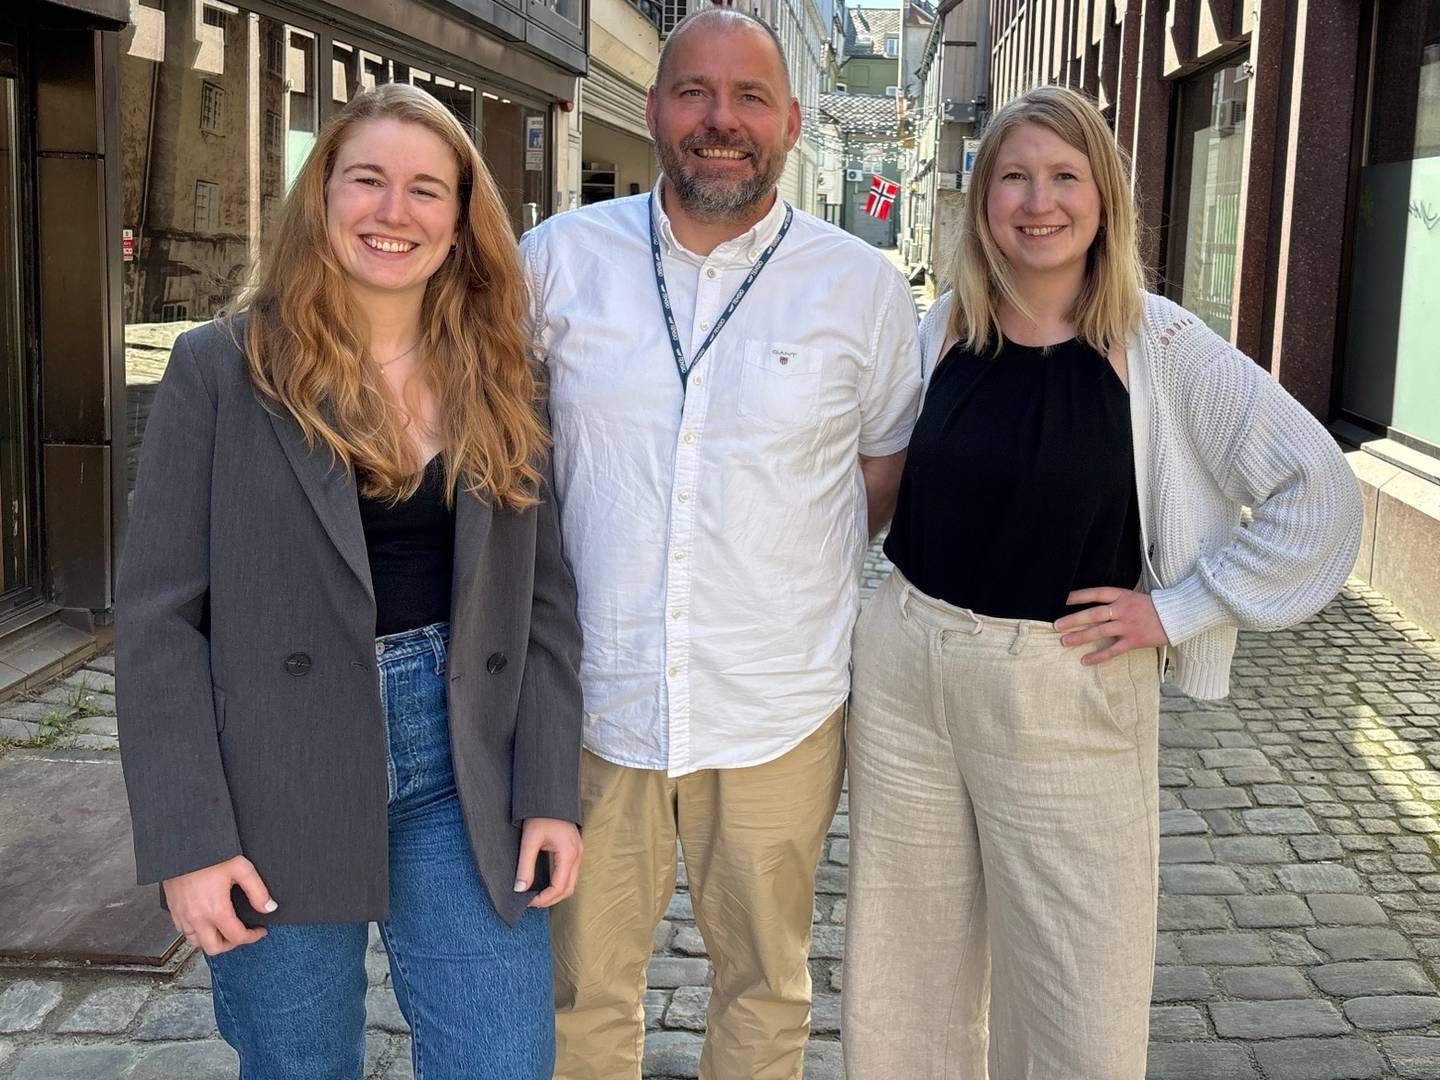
{"type": "Point", "coordinates": [717, 197]}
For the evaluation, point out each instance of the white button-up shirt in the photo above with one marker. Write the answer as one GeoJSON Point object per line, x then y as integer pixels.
{"type": "Point", "coordinates": [716, 535]}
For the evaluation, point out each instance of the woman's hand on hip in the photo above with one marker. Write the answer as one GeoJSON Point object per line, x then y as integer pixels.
{"type": "Point", "coordinates": [201, 909]}
{"type": "Point", "coordinates": [562, 840]}
{"type": "Point", "coordinates": [1124, 616]}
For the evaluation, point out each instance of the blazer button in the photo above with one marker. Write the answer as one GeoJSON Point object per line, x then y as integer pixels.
{"type": "Point", "coordinates": [496, 663]}
{"type": "Point", "coordinates": [297, 663]}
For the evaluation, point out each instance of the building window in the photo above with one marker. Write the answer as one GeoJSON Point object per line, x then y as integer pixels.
{"type": "Point", "coordinates": [174, 312]}
{"type": "Point", "coordinates": [892, 45]}
{"type": "Point", "coordinates": [212, 108]}
{"type": "Point", "coordinates": [213, 16]}
{"type": "Point", "coordinates": [207, 206]}
{"type": "Point", "coordinates": [892, 91]}
{"type": "Point", "coordinates": [275, 52]}
{"type": "Point", "coordinates": [1391, 380]}
{"type": "Point", "coordinates": [1205, 208]}
{"type": "Point", "coordinates": [274, 133]}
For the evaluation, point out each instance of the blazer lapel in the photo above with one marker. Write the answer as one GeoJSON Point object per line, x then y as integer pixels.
{"type": "Point", "coordinates": [472, 526]}
{"type": "Point", "coordinates": [331, 491]}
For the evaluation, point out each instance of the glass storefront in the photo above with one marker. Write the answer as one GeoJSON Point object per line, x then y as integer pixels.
{"type": "Point", "coordinates": [513, 140]}
{"type": "Point", "coordinates": [16, 492]}
{"type": "Point", "coordinates": [1205, 210]}
{"type": "Point", "coordinates": [219, 108]}
{"type": "Point", "coordinates": [1392, 363]}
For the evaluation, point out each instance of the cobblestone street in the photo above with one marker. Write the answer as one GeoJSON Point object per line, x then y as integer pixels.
{"type": "Point", "coordinates": [1300, 907]}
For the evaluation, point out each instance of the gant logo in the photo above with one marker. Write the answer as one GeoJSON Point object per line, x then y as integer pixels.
{"type": "Point", "coordinates": [782, 356]}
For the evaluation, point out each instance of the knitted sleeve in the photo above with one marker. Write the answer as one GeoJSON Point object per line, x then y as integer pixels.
{"type": "Point", "coordinates": [1262, 449]}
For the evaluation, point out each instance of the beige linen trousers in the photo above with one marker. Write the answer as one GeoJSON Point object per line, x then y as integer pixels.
{"type": "Point", "coordinates": [1003, 850]}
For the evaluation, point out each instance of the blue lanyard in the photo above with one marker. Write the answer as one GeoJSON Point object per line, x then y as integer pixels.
{"type": "Point", "coordinates": [681, 365]}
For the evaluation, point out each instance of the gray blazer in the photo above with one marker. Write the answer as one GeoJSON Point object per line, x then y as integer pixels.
{"type": "Point", "coordinates": [248, 698]}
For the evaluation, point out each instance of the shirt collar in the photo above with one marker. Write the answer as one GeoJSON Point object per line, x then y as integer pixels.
{"type": "Point", "coordinates": [744, 248]}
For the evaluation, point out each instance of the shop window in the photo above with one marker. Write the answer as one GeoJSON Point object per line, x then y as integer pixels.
{"type": "Point", "coordinates": [1391, 379]}
{"type": "Point", "coordinates": [19, 566]}
{"type": "Point", "coordinates": [207, 206]}
{"type": "Point", "coordinates": [212, 108]}
{"type": "Point", "coordinates": [516, 148]}
{"type": "Point", "coordinates": [1205, 205]}
{"type": "Point", "coordinates": [198, 208]}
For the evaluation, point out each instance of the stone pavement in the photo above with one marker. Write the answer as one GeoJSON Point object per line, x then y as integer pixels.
{"type": "Point", "coordinates": [1300, 907]}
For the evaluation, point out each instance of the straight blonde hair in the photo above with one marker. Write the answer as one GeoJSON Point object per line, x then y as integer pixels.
{"type": "Point", "coordinates": [308, 353]}
{"type": "Point", "coordinates": [1107, 310]}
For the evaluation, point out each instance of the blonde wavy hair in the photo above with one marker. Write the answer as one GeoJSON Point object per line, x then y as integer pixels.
{"type": "Point", "coordinates": [309, 353]}
{"type": "Point", "coordinates": [1107, 310]}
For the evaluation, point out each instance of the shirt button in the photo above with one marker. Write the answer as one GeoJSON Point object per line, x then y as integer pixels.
{"type": "Point", "coordinates": [672, 671]}
{"type": "Point", "coordinates": [684, 496]}
{"type": "Point", "coordinates": [679, 556]}
{"type": "Point", "coordinates": [676, 613]}
{"type": "Point", "coordinates": [710, 272]}
{"type": "Point", "coordinates": [696, 381]}
{"type": "Point", "coordinates": [704, 326]}
{"type": "Point", "coordinates": [688, 437]}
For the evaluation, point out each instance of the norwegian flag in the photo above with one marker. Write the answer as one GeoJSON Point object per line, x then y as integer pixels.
{"type": "Point", "coordinates": [881, 197]}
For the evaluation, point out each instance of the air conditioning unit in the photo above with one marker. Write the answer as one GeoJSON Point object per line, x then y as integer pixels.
{"type": "Point", "coordinates": [854, 176]}
{"type": "Point", "coordinates": [1229, 114]}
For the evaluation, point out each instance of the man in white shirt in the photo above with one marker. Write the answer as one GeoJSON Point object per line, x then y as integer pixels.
{"type": "Point", "coordinates": [732, 388]}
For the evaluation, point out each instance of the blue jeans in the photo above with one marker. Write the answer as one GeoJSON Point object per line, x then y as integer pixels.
{"type": "Point", "coordinates": [475, 992]}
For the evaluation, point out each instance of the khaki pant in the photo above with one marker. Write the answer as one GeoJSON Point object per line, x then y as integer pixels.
{"type": "Point", "coordinates": [1003, 851]}
{"type": "Point", "coordinates": [751, 839]}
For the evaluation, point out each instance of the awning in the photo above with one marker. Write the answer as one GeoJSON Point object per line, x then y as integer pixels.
{"type": "Point", "coordinates": [104, 14]}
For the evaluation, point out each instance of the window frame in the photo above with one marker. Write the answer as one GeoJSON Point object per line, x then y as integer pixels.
{"type": "Point", "coordinates": [212, 108]}
{"type": "Point", "coordinates": [211, 189]}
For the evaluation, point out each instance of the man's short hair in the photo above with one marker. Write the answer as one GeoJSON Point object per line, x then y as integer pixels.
{"type": "Point", "coordinates": [721, 17]}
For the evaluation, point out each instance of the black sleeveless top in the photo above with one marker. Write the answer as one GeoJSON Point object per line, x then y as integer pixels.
{"type": "Point", "coordinates": [412, 554]}
{"type": "Point", "coordinates": [1019, 486]}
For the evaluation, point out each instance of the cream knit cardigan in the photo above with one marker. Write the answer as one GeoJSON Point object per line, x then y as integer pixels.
{"type": "Point", "coordinates": [1213, 433]}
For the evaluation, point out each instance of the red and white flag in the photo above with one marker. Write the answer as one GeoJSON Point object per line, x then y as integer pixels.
{"type": "Point", "coordinates": [881, 197]}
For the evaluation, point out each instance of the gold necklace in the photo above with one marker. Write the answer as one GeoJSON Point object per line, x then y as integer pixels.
{"type": "Point", "coordinates": [383, 364]}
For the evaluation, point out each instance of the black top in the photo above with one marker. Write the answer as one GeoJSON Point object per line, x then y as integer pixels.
{"type": "Point", "coordinates": [1020, 482]}
{"type": "Point", "coordinates": [412, 554]}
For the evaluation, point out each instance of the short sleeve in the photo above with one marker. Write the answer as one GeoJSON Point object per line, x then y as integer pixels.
{"type": "Point", "coordinates": [890, 388]}
{"type": "Point", "coordinates": [534, 327]}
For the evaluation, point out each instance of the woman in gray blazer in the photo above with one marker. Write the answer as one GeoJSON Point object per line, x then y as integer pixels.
{"type": "Point", "coordinates": [347, 643]}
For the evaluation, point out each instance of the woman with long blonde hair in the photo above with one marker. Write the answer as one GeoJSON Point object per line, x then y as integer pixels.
{"type": "Point", "coordinates": [347, 647]}
{"type": "Point", "coordinates": [1069, 523]}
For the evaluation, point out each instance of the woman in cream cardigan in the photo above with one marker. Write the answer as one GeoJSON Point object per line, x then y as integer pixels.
{"type": "Point", "coordinates": [1069, 525]}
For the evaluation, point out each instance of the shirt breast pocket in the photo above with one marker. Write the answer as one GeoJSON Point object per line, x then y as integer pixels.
{"type": "Point", "coordinates": [779, 383]}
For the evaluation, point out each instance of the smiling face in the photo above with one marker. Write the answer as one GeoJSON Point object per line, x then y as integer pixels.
{"type": "Point", "coordinates": [1042, 206]}
{"type": "Point", "coordinates": [391, 206]}
{"type": "Point", "coordinates": [723, 119]}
